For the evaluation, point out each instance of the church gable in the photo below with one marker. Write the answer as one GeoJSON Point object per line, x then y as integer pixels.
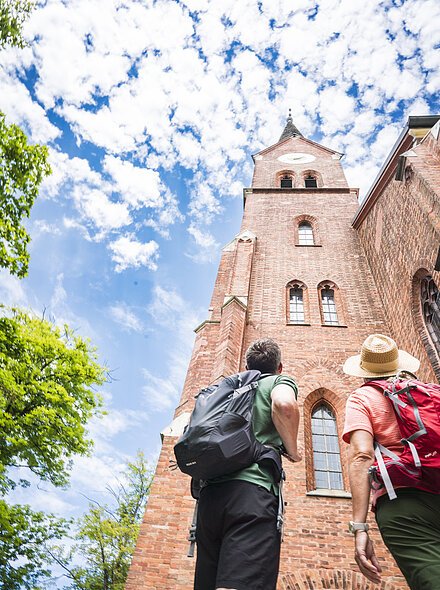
{"type": "Point", "coordinates": [296, 145]}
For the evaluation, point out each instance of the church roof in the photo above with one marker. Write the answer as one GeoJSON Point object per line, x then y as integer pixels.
{"type": "Point", "coordinates": [416, 131]}
{"type": "Point", "coordinates": [290, 130]}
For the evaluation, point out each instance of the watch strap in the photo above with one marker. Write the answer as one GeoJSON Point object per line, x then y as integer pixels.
{"type": "Point", "coordinates": [353, 527]}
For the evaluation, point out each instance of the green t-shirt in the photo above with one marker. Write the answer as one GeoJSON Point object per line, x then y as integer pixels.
{"type": "Point", "coordinates": [265, 432]}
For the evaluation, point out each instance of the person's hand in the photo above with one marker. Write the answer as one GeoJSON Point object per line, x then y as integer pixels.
{"type": "Point", "coordinates": [293, 457]}
{"type": "Point", "coordinates": [366, 558]}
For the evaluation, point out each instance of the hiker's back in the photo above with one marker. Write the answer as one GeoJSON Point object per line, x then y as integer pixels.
{"type": "Point", "coordinates": [265, 433]}
{"type": "Point", "coordinates": [416, 407]}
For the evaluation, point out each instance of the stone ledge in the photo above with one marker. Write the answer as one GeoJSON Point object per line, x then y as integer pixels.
{"type": "Point", "coordinates": [205, 323]}
{"type": "Point", "coordinates": [329, 493]}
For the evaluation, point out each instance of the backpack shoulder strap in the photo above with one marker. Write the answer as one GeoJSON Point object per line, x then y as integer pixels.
{"type": "Point", "coordinates": [389, 390]}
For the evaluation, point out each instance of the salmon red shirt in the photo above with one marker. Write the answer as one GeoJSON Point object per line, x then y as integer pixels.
{"type": "Point", "coordinates": [368, 409]}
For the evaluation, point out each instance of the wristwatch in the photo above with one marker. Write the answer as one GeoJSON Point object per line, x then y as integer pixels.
{"type": "Point", "coordinates": [357, 526]}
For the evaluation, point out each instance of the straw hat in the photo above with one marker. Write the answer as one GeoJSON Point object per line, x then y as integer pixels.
{"type": "Point", "coordinates": [380, 357]}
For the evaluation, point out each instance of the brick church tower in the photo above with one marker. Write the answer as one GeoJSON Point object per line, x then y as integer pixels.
{"type": "Point", "coordinates": [296, 272]}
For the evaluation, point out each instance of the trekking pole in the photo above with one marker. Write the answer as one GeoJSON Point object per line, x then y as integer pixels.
{"type": "Point", "coordinates": [192, 532]}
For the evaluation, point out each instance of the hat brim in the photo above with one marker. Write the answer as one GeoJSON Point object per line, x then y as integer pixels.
{"type": "Point", "coordinates": [406, 362]}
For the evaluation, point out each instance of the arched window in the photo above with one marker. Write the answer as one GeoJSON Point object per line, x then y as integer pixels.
{"type": "Point", "coordinates": [286, 181]}
{"type": "Point", "coordinates": [305, 234]}
{"type": "Point", "coordinates": [296, 304]}
{"type": "Point", "coordinates": [310, 181]}
{"type": "Point", "coordinates": [326, 453]}
{"type": "Point", "coordinates": [430, 298]}
{"type": "Point", "coordinates": [328, 305]}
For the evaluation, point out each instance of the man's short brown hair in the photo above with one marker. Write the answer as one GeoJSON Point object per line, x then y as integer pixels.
{"type": "Point", "coordinates": [264, 355]}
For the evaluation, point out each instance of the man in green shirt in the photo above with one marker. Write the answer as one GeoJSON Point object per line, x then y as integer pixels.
{"type": "Point", "coordinates": [238, 544]}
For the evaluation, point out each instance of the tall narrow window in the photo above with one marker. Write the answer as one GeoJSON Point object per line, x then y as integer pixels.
{"type": "Point", "coordinates": [326, 453]}
{"type": "Point", "coordinates": [310, 181]}
{"type": "Point", "coordinates": [305, 234]}
{"type": "Point", "coordinates": [430, 296]}
{"type": "Point", "coordinates": [296, 305]}
{"type": "Point", "coordinates": [330, 315]}
{"type": "Point", "coordinates": [286, 181]}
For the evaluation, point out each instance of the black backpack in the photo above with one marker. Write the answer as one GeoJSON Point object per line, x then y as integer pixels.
{"type": "Point", "coordinates": [219, 438]}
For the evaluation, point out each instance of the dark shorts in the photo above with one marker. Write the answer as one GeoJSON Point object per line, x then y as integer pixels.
{"type": "Point", "coordinates": [410, 528]}
{"type": "Point", "coordinates": [238, 545]}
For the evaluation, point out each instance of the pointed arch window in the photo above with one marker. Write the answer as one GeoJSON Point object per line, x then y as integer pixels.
{"type": "Point", "coordinates": [305, 234]}
{"type": "Point", "coordinates": [430, 299]}
{"type": "Point", "coordinates": [328, 305]}
{"type": "Point", "coordinates": [296, 305]}
{"type": "Point", "coordinates": [326, 452]}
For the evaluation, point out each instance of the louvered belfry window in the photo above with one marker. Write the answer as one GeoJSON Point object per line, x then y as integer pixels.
{"type": "Point", "coordinates": [310, 181]}
{"type": "Point", "coordinates": [286, 181]}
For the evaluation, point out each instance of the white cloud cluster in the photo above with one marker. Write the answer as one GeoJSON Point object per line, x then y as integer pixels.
{"type": "Point", "coordinates": [113, 200]}
{"type": "Point", "coordinates": [129, 252]}
{"type": "Point", "coordinates": [200, 83]}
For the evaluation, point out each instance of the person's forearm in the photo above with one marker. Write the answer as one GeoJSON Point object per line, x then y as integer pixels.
{"type": "Point", "coordinates": [360, 485]}
{"type": "Point", "coordinates": [286, 420]}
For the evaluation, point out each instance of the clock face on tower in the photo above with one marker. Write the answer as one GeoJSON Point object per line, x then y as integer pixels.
{"type": "Point", "coordinates": [296, 158]}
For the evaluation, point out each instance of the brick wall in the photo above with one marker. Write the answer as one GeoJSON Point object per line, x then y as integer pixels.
{"type": "Point", "coordinates": [401, 237]}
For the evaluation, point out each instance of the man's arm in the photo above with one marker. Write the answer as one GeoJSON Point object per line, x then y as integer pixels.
{"type": "Point", "coordinates": [361, 457]}
{"type": "Point", "coordinates": [285, 416]}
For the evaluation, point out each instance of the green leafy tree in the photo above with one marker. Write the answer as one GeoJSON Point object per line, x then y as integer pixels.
{"type": "Point", "coordinates": [23, 535]}
{"type": "Point", "coordinates": [13, 14]}
{"type": "Point", "coordinates": [22, 166]}
{"type": "Point", "coordinates": [22, 169]}
{"type": "Point", "coordinates": [47, 396]}
{"type": "Point", "coordinates": [106, 535]}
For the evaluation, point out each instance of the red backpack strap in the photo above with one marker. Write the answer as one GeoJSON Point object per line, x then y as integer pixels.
{"type": "Point", "coordinates": [389, 390]}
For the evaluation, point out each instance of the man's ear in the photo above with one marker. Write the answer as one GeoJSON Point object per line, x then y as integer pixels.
{"type": "Point", "coordinates": [280, 368]}
{"type": "Point", "coordinates": [246, 367]}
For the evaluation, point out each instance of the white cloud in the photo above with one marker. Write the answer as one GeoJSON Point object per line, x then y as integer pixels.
{"type": "Point", "coordinates": [129, 252]}
{"type": "Point", "coordinates": [41, 227]}
{"type": "Point", "coordinates": [97, 208]}
{"type": "Point", "coordinates": [12, 291]}
{"type": "Point", "coordinates": [139, 187]}
{"type": "Point", "coordinates": [123, 315]}
{"type": "Point", "coordinates": [20, 109]}
{"type": "Point", "coordinates": [160, 393]}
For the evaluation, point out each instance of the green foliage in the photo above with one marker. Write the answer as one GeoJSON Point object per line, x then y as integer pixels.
{"type": "Point", "coordinates": [107, 535]}
{"type": "Point", "coordinates": [22, 169]}
{"type": "Point", "coordinates": [46, 396]}
{"type": "Point", "coordinates": [13, 14]}
{"type": "Point", "coordinates": [23, 536]}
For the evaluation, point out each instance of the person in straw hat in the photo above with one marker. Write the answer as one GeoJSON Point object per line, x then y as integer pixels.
{"type": "Point", "coordinates": [409, 524]}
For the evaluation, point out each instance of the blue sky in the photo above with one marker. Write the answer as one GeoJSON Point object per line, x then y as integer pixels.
{"type": "Point", "coordinates": [152, 110]}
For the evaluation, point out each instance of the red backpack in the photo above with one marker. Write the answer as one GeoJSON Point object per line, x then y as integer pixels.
{"type": "Point", "coordinates": [417, 409]}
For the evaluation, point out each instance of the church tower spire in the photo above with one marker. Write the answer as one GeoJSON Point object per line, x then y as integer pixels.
{"type": "Point", "coordinates": [290, 130]}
